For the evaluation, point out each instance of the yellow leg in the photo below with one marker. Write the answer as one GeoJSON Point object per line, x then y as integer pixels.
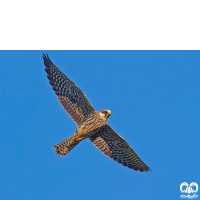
{"type": "Point", "coordinates": [77, 138]}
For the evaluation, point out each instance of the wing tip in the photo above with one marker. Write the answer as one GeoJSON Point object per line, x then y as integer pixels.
{"type": "Point", "coordinates": [146, 169]}
{"type": "Point", "coordinates": [149, 170]}
{"type": "Point", "coordinates": [45, 57]}
{"type": "Point", "coordinates": [47, 62]}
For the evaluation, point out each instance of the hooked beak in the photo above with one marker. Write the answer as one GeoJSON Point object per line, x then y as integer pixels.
{"type": "Point", "coordinates": [109, 113]}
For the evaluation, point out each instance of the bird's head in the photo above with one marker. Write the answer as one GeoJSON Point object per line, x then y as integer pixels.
{"type": "Point", "coordinates": [105, 114]}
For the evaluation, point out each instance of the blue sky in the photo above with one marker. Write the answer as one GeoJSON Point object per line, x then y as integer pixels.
{"type": "Point", "coordinates": [154, 97]}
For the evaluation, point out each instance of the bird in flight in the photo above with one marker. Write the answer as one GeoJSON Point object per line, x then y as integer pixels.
{"type": "Point", "coordinates": [91, 123]}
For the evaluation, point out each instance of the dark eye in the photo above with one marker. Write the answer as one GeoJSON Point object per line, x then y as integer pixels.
{"type": "Point", "coordinates": [105, 112]}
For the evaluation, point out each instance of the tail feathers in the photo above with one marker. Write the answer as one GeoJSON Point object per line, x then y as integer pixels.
{"type": "Point", "coordinates": [66, 146]}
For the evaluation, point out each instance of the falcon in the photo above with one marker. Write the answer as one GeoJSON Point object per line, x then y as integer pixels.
{"type": "Point", "coordinates": [91, 123]}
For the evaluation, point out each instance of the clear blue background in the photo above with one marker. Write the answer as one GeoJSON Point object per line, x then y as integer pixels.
{"type": "Point", "coordinates": [154, 97]}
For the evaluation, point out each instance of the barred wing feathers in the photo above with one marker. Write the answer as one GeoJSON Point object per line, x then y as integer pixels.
{"type": "Point", "coordinates": [70, 96]}
{"type": "Point", "coordinates": [114, 146]}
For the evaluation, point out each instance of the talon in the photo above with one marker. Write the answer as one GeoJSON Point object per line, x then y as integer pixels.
{"type": "Point", "coordinates": [77, 138]}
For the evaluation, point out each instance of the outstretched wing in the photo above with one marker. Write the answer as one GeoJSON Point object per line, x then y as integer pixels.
{"type": "Point", "coordinates": [70, 96]}
{"type": "Point", "coordinates": [114, 146]}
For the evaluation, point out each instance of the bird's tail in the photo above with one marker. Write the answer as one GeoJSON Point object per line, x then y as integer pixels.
{"type": "Point", "coordinates": [67, 145]}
